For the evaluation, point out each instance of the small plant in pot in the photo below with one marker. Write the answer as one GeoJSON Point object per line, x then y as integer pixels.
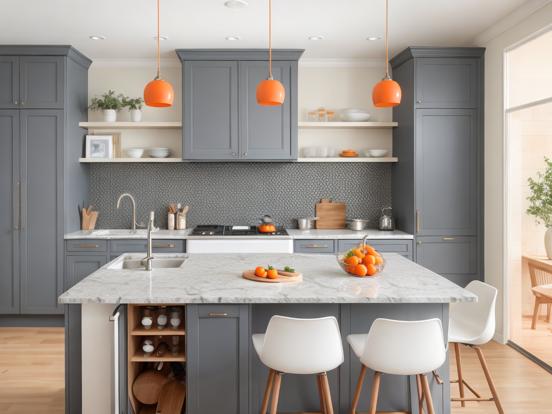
{"type": "Point", "coordinates": [109, 103]}
{"type": "Point", "coordinates": [135, 107]}
{"type": "Point", "coordinates": [540, 202]}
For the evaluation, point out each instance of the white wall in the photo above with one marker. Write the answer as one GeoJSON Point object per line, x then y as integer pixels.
{"type": "Point", "coordinates": [494, 155]}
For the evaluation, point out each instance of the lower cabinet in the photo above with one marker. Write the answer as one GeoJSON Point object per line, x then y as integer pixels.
{"type": "Point", "coordinates": [78, 267]}
{"type": "Point", "coordinates": [329, 246]}
{"type": "Point", "coordinates": [218, 347]}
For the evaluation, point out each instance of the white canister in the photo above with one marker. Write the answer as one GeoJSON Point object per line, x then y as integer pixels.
{"type": "Point", "coordinates": [181, 221]}
{"type": "Point", "coordinates": [135, 115]}
{"type": "Point", "coordinates": [170, 221]}
{"type": "Point", "coordinates": [110, 115]}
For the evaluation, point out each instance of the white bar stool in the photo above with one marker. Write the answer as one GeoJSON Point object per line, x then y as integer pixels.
{"type": "Point", "coordinates": [473, 324]}
{"type": "Point", "coordinates": [399, 348]}
{"type": "Point", "coordinates": [299, 346]}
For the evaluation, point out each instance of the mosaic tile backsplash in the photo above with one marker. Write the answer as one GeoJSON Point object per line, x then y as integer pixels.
{"type": "Point", "coordinates": [236, 193]}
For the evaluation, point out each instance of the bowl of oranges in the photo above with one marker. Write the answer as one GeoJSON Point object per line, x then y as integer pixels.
{"type": "Point", "coordinates": [361, 261]}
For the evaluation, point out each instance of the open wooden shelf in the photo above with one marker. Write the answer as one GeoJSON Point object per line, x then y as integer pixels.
{"type": "Point", "coordinates": [326, 125]}
{"type": "Point", "coordinates": [129, 125]}
{"type": "Point", "coordinates": [350, 159]}
{"type": "Point", "coordinates": [157, 332]}
{"type": "Point", "coordinates": [135, 160]}
{"type": "Point", "coordinates": [180, 357]}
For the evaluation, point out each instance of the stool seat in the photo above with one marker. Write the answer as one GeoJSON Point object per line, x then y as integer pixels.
{"type": "Point", "coordinates": [357, 342]}
{"type": "Point", "coordinates": [464, 332]}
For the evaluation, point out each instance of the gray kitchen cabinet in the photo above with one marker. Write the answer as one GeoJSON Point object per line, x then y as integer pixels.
{"type": "Point", "coordinates": [41, 81]}
{"type": "Point", "coordinates": [402, 247]}
{"type": "Point", "coordinates": [437, 184]}
{"type": "Point", "coordinates": [118, 247]}
{"type": "Point", "coordinates": [217, 347]}
{"type": "Point", "coordinates": [222, 120]}
{"type": "Point", "coordinates": [9, 221]}
{"type": "Point", "coordinates": [314, 246]}
{"type": "Point", "coordinates": [78, 267]}
{"type": "Point", "coordinates": [446, 151]}
{"type": "Point", "coordinates": [9, 82]}
{"type": "Point", "coordinates": [86, 245]}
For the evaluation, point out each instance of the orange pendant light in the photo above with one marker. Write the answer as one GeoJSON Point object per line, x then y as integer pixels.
{"type": "Point", "coordinates": [270, 92]}
{"type": "Point", "coordinates": [158, 92]}
{"type": "Point", "coordinates": [387, 92]}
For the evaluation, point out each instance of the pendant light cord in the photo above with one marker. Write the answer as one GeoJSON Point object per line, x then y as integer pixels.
{"type": "Point", "coordinates": [269, 39]}
{"type": "Point", "coordinates": [386, 39]}
{"type": "Point", "coordinates": [158, 45]}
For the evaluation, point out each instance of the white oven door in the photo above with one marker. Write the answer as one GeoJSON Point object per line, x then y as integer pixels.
{"type": "Point", "coordinates": [235, 245]}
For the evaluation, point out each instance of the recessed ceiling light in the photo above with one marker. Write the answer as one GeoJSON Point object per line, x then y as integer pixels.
{"type": "Point", "coordinates": [236, 4]}
{"type": "Point", "coordinates": [161, 37]}
{"type": "Point", "coordinates": [96, 37]}
{"type": "Point", "coordinates": [232, 38]}
{"type": "Point", "coordinates": [316, 38]}
{"type": "Point", "coordinates": [372, 38]}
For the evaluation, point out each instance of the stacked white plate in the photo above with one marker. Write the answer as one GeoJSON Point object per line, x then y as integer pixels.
{"type": "Point", "coordinates": [354, 115]}
{"type": "Point", "coordinates": [159, 152]}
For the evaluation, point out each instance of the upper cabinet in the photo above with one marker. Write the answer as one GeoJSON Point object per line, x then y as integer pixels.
{"type": "Point", "coordinates": [222, 120]}
{"type": "Point", "coordinates": [32, 82]}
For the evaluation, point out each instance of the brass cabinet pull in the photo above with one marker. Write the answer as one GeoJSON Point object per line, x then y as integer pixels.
{"type": "Point", "coordinates": [17, 218]}
{"type": "Point", "coordinates": [217, 314]}
{"type": "Point", "coordinates": [314, 246]}
{"type": "Point", "coordinates": [164, 246]}
{"type": "Point", "coordinates": [417, 221]}
{"type": "Point", "coordinates": [449, 238]}
{"type": "Point", "coordinates": [88, 246]}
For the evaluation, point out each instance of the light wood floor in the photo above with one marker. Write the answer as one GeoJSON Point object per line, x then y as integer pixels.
{"type": "Point", "coordinates": [537, 341]}
{"type": "Point", "coordinates": [31, 376]}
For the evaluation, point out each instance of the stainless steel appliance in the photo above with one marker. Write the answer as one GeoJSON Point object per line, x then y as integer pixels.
{"type": "Point", "coordinates": [386, 222]}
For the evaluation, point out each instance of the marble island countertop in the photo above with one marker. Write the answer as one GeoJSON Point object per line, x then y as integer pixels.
{"type": "Point", "coordinates": [216, 278]}
{"type": "Point", "coordinates": [345, 234]}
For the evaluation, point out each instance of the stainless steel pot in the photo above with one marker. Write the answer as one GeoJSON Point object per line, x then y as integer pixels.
{"type": "Point", "coordinates": [306, 223]}
{"type": "Point", "coordinates": [357, 224]}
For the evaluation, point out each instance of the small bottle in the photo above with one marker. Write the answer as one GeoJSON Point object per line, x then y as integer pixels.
{"type": "Point", "coordinates": [147, 347]}
{"type": "Point", "coordinates": [147, 318]}
{"type": "Point", "coordinates": [162, 318]}
{"type": "Point", "coordinates": [170, 221]}
{"type": "Point", "coordinates": [175, 318]}
{"type": "Point", "coordinates": [181, 220]}
{"type": "Point", "coordinates": [175, 341]}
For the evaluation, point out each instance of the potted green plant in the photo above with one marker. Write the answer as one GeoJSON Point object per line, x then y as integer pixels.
{"type": "Point", "coordinates": [540, 202]}
{"type": "Point", "coordinates": [135, 107]}
{"type": "Point", "coordinates": [109, 103]}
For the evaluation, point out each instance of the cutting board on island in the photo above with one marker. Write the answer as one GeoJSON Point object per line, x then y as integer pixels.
{"type": "Point", "coordinates": [283, 277]}
{"type": "Point", "coordinates": [331, 214]}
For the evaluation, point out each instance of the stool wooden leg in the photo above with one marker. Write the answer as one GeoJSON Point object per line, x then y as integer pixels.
{"type": "Point", "coordinates": [459, 370]}
{"type": "Point", "coordinates": [327, 393]}
{"type": "Point", "coordinates": [489, 379]}
{"type": "Point", "coordinates": [427, 395]}
{"type": "Point", "coordinates": [268, 389]}
{"type": "Point", "coordinates": [420, 394]}
{"type": "Point", "coordinates": [321, 393]}
{"type": "Point", "coordinates": [535, 313]}
{"type": "Point", "coordinates": [275, 393]}
{"type": "Point", "coordinates": [358, 389]}
{"type": "Point", "coordinates": [374, 393]}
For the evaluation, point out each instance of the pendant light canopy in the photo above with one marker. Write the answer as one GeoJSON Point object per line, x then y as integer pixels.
{"type": "Point", "coordinates": [387, 92]}
{"type": "Point", "coordinates": [158, 92]}
{"type": "Point", "coordinates": [270, 92]}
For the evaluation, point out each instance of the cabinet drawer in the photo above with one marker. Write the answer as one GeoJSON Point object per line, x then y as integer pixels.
{"type": "Point", "coordinates": [314, 246]}
{"type": "Point", "coordinates": [140, 246]}
{"type": "Point", "coordinates": [86, 245]}
{"type": "Point", "coordinates": [402, 247]}
{"type": "Point", "coordinates": [448, 255]}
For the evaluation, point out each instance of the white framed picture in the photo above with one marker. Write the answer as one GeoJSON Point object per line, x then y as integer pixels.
{"type": "Point", "coordinates": [99, 146]}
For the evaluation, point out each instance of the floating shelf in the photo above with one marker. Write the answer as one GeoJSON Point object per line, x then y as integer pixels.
{"type": "Point", "coordinates": [344, 125]}
{"type": "Point", "coordinates": [349, 159]}
{"type": "Point", "coordinates": [180, 357]}
{"type": "Point", "coordinates": [133, 160]}
{"type": "Point", "coordinates": [157, 332]}
{"type": "Point", "coordinates": [129, 125]}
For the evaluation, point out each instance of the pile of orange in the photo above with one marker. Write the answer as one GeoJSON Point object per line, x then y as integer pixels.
{"type": "Point", "coordinates": [362, 261]}
{"type": "Point", "coordinates": [268, 272]}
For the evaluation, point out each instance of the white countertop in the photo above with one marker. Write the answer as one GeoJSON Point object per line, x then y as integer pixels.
{"type": "Point", "coordinates": [216, 278]}
{"type": "Point", "coordinates": [109, 234]}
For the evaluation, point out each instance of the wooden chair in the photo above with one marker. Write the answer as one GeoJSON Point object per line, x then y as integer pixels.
{"type": "Point", "coordinates": [541, 286]}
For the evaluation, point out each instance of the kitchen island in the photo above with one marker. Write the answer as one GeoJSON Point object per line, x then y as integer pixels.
{"type": "Point", "coordinates": [222, 309]}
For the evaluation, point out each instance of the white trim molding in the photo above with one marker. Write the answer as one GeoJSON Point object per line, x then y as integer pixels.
{"type": "Point", "coordinates": [342, 63]}
{"type": "Point", "coordinates": [135, 63]}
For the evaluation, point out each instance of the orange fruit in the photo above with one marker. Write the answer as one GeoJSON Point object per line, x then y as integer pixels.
{"type": "Point", "coordinates": [371, 270]}
{"type": "Point", "coordinates": [272, 273]}
{"type": "Point", "coordinates": [260, 271]}
{"type": "Point", "coordinates": [379, 260]}
{"type": "Point", "coordinates": [370, 250]}
{"type": "Point", "coordinates": [361, 270]}
{"type": "Point", "coordinates": [369, 259]}
{"type": "Point", "coordinates": [358, 253]}
{"type": "Point", "coordinates": [350, 269]}
{"type": "Point", "coordinates": [352, 260]}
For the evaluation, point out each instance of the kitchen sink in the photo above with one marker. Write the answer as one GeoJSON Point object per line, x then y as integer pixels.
{"type": "Point", "coordinates": [134, 262]}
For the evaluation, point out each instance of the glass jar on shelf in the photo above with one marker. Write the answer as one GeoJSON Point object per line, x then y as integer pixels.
{"type": "Point", "coordinates": [162, 318]}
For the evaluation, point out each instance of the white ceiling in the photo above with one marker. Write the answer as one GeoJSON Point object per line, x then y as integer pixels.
{"type": "Point", "coordinates": [129, 25]}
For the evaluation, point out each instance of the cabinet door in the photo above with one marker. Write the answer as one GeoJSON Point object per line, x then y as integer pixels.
{"type": "Point", "coordinates": [78, 267]}
{"type": "Point", "coordinates": [447, 83]}
{"type": "Point", "coordinates": [265, 131]}
{"type": "Point", "coordinates": [402, 247]}
{"type": "Point", "coordinates": [41, 81]}
{"type": "Point", "coordinates": [217, 359]}
{"type": "Point", "coordinates": [450, 256]}
{"type": "Point", "coordinates": [210, 110]}
{"type": "Point", "coordinates": [446, 172]}
{"type": "Point", "coordinates": [41, 211]}
{"type": "Point", "coordinates": [9, 82]}
{"type": "Point", "coordinates": [9, 211]}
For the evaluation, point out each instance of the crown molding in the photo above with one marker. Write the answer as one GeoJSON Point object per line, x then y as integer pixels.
{"type": "Point", "coordinates": [136, 63]}
{"type": "Point", "coordinates": [341, 63]}
{"type": "Point", "coordinates": [509, 21]}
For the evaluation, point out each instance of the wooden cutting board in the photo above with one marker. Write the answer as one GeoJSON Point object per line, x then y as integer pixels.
{"type": "Point", "coordinates": [331, 214]}
{"type": "Point", "coordinates": [283, 277]}
{"type": "Point", "coordinates": [148, 385]}
{"type": "Point", "coordinates": [172, 397]}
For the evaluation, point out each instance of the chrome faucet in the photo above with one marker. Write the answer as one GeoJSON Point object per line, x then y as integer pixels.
{"type": "Point", "coordinates": [151, 228]}
{"type": "Point", "coordinates": [134, 223]}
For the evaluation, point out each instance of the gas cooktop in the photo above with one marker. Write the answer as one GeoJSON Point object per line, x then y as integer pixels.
{"type": "Point", "coordinates": [220, 230]}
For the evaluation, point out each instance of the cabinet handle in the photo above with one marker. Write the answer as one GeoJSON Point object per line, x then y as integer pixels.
{"type": "Point", "coordinates": [449, 238]}
{"type": "Point", "coordinates": [417, 221]}
{"type": "Point", "coordinates": [88, 246]}
{"type": "Point", "coordinates": [314, 246]}
{"type": "Point", "coordinates": [22, 103]}
{"type": "Point", "coordinates": [234, 154]}
{"type": "Point", "coordinates": [17, 218]}
{"type": "Point", "coordinates": [164, 246]}
{"type": "Point", "coordinates": [245, 154]}
{"type": "Point", "coordinates": [16, 102]}
{"type": "Point", "coordinates": [419, 101]}
{"type": "Point", "coordinates": [418, 242]}
{"type": "Point", "coordinates": [217, 314]}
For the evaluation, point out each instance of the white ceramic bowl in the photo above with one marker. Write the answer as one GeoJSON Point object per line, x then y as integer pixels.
{"type": "Point", "coordinates": [159, 152]}
{"type": "Point", "coordinates": [376, 153]}
{"type": "Point", "coordinates": [135, 152]}
{"type": "Point", "coordinates": [354, 115]}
